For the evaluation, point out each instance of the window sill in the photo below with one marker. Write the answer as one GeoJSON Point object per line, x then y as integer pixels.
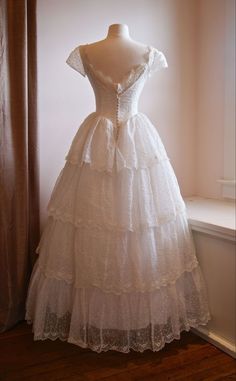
{"type": "Point", "coordinates": [211, 216]}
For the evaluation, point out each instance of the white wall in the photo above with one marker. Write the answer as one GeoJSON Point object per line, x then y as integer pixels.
{"type": "Point", "coordinates": [65, 97]}
{"type": "Point", "coordinates": [210, 66]}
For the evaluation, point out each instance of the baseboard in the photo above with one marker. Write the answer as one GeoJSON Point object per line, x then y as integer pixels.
{"type": "Point", "coordinates": [216, 340]}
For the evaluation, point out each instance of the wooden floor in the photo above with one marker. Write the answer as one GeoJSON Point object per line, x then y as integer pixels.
{"type": "Point", "coordinates": [188, 359]}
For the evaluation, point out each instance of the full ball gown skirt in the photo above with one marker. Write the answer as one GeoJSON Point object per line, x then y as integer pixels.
{"type": "Point", "coordinates": [116, 266]}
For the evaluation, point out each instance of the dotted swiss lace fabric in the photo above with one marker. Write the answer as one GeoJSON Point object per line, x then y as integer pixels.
{"type": "Point", "coordinates": [117, 267]}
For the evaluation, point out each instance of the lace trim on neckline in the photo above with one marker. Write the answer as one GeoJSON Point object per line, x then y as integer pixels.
{"type": "Point", "coordinates": [129, 79]}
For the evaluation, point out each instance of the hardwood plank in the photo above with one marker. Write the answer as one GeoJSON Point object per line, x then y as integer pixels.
{"type": "Point", "coordinates": [188, 359]}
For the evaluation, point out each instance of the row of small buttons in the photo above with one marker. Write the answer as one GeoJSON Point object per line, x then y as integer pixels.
{"type": "Point", "coordinates": [117, 114]}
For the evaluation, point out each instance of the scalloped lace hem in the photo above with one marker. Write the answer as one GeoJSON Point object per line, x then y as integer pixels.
{"type": "Point", "coordinates": [141, 287]}
{"type": "Point", "coordinates": [80, 223]}
{"type": "Point", "coordinates": [98, 340]}
{"type": "Point", "coordinates": [112, 170]}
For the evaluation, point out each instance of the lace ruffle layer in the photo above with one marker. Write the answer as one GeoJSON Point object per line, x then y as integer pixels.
{"type": "Point", "coordinates": [120, 231]}
{"type": "Point", "coordinates": [138, 145]}
{"type": "Point", "coordinates": [128, 200]}
{"type": "Point", "coordinates": [90, 318]}
{"type": "Point", "coordinates": [117, 261]}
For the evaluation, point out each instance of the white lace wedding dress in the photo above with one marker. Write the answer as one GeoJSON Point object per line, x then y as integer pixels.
{"type": "Point", "coordinates": [117, 267]}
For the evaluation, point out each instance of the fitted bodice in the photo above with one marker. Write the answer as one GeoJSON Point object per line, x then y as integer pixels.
{"type": "Point", "coordinates": [117, 101]}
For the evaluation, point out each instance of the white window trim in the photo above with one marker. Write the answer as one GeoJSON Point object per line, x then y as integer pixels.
{"type": "Point", "coordinates": [211, 216]}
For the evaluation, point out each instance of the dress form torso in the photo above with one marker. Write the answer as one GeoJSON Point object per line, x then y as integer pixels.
{"type": "Point", "coordinates": [120, 51]}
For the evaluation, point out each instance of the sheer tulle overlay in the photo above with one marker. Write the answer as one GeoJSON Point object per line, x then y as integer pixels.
{"type": "Point", "coordinates": [117, 267]}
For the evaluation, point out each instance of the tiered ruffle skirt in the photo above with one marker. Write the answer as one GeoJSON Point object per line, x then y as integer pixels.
{"type": "Point", "coordinates": [117, 267]}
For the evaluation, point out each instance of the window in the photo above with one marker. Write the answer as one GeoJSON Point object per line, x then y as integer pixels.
{"type": "Point", "coordinates": [228, 182]}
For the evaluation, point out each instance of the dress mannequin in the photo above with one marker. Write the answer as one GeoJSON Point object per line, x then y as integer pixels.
{"type": "Point", "coordinates": [121, 52]}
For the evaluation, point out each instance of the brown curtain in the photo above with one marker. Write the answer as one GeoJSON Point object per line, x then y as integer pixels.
{"type": "Point", "coordinates": [19, 213]}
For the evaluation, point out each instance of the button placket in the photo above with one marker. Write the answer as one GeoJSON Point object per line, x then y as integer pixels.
{"type": "Point", "coordinates": [118, 92]}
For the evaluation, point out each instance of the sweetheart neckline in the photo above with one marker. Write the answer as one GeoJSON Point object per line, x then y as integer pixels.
{"type": "Point", "coordinates": [119, 86]}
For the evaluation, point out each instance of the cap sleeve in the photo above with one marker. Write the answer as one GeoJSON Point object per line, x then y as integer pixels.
{"type": "Point", "coordinates": [74, 60]}
{"type": "Point", "coordinates": [158, 61]}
